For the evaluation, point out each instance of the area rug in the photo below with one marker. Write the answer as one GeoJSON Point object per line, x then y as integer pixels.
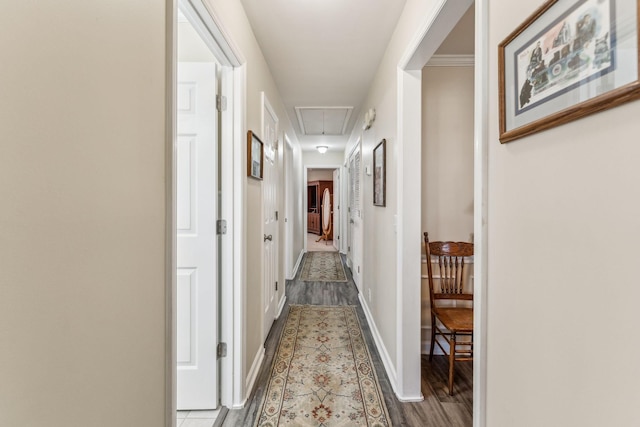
{"type": "Point", "coordinates": [322, 374]}
{"type": "Point", "coordinates": [323, 267]}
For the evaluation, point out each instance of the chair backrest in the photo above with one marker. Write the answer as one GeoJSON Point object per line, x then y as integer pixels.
{"type": "Point", "coordinates": [450, 258]}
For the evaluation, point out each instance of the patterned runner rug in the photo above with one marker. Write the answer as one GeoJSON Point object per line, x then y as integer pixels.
{"type": "Point", "coordinates": [323, 267]}
{"type": "Point", "coordinates": [322, 374]}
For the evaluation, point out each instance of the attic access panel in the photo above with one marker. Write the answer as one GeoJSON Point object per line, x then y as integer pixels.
{"type": "Point", "coordinates": [323, 120]}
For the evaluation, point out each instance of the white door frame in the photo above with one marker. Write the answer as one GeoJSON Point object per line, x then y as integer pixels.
{"type": "Point", "coordinates": [232, 289]}
{"type": "Point", "coordinates": [436, 27]}
{"type": "Point", "coordinates": [305, 179]}
{"type": "Point", "coordinates": [289, 197]}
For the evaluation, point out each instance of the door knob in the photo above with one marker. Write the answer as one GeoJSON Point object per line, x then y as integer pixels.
{"type": "Point", "coordinates": [269, 237]}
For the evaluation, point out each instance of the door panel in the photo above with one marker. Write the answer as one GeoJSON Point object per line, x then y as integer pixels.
{"type": "Point", "coordinates": [289, 183]}
{"type": "Point", "coordinates": [196, 168]}
{"type": "Point", "coordinates": [354, 249]}
{"type": "Point", "coordinates": [270, 225]}
{"type": "Point", "coordinates": [336, 209]}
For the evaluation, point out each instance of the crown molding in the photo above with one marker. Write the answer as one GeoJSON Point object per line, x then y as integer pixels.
{"type": "Point", "coordinates": [451, 61]}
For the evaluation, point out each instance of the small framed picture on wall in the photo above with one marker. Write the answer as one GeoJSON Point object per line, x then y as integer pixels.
{"type": "Point", "coordinates": [255, 156]}
{"type": "Point", "coordinates": [380, 173]}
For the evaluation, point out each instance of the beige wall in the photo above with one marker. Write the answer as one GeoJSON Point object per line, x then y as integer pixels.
{"type": "Point", "coordinates": [258, 79]}
{"type": "Point", "coordinates": [82, 184]}
{"type": "Point", "coordinates": [447, 152]}
{"type": "Point", "coordinates": [313, 158]}
{"type": "Point", "coordinates": [320, 175]}
{"type": "Point", "coordinates": [447, 160]}
{"type": "Point", "coordinates": [562, 283]}
{"type": "Point", "coordinates": [380, 239]}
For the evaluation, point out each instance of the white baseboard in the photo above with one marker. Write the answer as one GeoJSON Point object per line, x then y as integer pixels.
{"type": "Point", "coordinates": [295, 267]}
{"type": "Point", "coordinates": [382, 350]}
{"type": "Point", "coordinates": [281, 306]}
{"type": "Point", "coordinates": [253, 373]}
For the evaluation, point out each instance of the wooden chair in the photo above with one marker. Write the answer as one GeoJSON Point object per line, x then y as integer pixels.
{"type": "Point", "coordinates": [449, 321]}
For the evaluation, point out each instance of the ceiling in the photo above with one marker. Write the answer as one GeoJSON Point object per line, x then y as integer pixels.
{"type": "Point", "coordinates": [323, 55]}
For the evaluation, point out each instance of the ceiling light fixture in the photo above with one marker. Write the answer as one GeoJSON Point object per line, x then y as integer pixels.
{"type": "Point", "coordinates": [322, 149]}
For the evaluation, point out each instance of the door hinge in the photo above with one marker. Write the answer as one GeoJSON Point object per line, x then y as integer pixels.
{"type": "Point", "coordinates": [276, 215]}
{"type": "Point", "coordinates": [221, 350]}
{"type": "Point", "coordinates": [348, 248]}
{"type": "Point", "coordinates": [276, 286]}
{"type": "Point", "coordinates": [221, 103]}
{"type": "Point", "coordinates": [221, 226]}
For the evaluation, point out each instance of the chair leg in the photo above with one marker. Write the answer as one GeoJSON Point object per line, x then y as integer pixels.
{"type": "Point", "coordinates": [452, 359]}
{"type": "Point", "coordinates": [433, 337]}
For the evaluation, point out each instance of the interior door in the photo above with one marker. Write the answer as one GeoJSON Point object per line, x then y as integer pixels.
{"type": "Point", "coordinates": [269, 215]}
{"type": "Point", "coordinates": [354, 248]}
{"type": "Point", "coordinates": [197, 305]}
{"type": "Point", "coordinates": [289, 189]}
{"type": "Point", "coordinates": [336, 209]}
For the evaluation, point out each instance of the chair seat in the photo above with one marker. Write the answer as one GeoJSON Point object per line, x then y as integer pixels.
{"type": "Point", "coordinates": [456, 319]}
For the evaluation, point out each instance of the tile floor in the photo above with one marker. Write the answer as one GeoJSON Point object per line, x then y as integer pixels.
{"type": "Point", "coordinates": [197, 418]}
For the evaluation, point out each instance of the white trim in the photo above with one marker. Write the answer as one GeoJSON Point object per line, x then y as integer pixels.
{"type": "Point", "coordinates": [409, 236]}
{"type": "Point", "coordinates": [480, 214]}
{"type": "Point", "coordinates": [281, 305]}
{"type": "Point", "coordinates": [170, 238]}
{"type": "Point", "coordinates": [238, 352]}
{"type": "Point", "coordinates": [382, 350]}
{"type": "Point", "coordinates": [209, 27]}
{"type": "Point", "coordinates": [297, 266]}
{"type": "Point", "coordinates": [253, 375]}
{"type": "Point", "coordinates": [233, 187]}
{"type": "Point", "coordinates": [237, 349]}
{"type": "Point", "coordinates": [435, 28]}
{"type": "Point", "coordinates": [288, 202]}
{"type": "Point", "coordinates": [439, 23]}
{"type": "Point", "coordinates": [451, 61]}
{"type": "Point", "coordinates": [384, 354]}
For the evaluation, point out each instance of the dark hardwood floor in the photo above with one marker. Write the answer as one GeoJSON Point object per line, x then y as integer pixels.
{"type": "Point", "coordinates": [438, 408]}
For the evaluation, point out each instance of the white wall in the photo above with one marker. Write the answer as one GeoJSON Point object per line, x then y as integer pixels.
{"type": "Point", "coordinates": [82, 184]}
{"type": "Point", "coordinates": [562, 286]}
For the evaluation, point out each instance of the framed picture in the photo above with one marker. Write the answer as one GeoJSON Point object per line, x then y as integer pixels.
{"type": "Point", "coordinates": [567, 60]}
{"type": "Point", "coordinates": [380, 173]}
{"type": "Point", "coordinates": [255, 156]}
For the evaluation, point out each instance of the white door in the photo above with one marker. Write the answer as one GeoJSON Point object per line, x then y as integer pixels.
{"type": "Point", "coordinates": [354, 248]}
{"type": "Point", "coordinates": [336, 209]}
{"type": "Point", "coordinates": [197, 305]}
{"type": "Point", "coordinates": [269, 215]}
{"type": "Point", "coordinates": [289, 191]}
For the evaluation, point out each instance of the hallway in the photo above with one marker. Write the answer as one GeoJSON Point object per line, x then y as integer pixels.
{"type": "Point", "coordinates": [438, 408]}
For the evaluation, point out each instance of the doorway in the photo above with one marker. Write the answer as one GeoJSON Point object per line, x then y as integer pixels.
{"type": "Point", "coordinates": [204, 350]}
{"type": "Point", "coordinates": [197, 165]}
{"type": "Point", "coordinates": [322, 211]}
